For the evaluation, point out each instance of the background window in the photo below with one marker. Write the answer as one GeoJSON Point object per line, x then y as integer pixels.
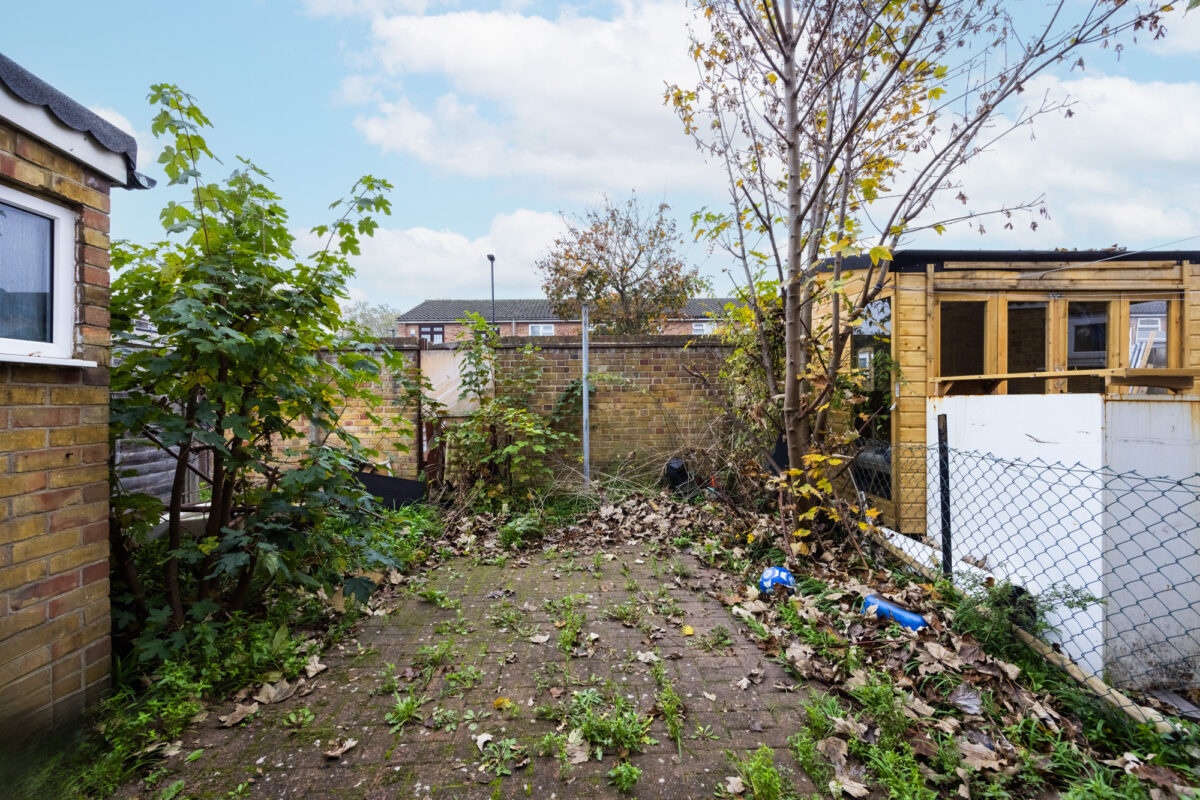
{"type": "Point", "coordinates": [1148, 334]}
{"type": "Point", "coordinates": [434, 334]}
{"type": "Point", "coordinates": [541, 330]}
{"type": "Point", "coordinates": [703, 328]}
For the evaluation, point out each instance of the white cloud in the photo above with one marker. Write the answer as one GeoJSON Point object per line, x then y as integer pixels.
{"type": "Point", "coordinates": [1124, 169]}
{"type": "Point", "coordinates": [574, 100]}
{"type": "Point", "coordinates": [147, 148]}
{"type": "Point", "coordinates": [402, 267]}
{"type": "Point", "coordinates": [1183, 35]}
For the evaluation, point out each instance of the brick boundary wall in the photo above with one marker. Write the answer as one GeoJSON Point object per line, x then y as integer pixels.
{"type": "Point", "coordinates": [54, 603]}
{"type": "Point", "coordinates": [645, 406]}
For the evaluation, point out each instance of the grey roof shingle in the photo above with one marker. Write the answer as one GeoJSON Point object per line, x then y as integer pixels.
{"type": "Point", "coordinates": [532, 310]}
{"type": "Point", "coordinates": [35, 91]}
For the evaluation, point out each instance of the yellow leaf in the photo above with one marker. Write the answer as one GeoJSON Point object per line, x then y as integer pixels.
{"type": "Point", "coordinates": [502, 703]}
{"type": "Point", "coordinates": [688, 630]}
{"type": "Point", "coordinates": [772, 77]}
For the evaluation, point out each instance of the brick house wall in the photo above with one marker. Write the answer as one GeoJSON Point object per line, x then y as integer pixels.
{"type": "Point", "coordinates": [454, 331]}
{"type": "Point", "coordinates": [54, 607]}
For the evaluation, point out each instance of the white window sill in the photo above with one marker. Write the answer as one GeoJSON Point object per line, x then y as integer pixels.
{"type": "Point", "coordinates": [46, 361]}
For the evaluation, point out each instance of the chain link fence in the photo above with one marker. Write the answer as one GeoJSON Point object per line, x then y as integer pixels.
{"type": "Point", "coordinates": [1119, 553]}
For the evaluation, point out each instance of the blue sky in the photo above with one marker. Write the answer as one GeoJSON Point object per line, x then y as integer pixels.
{"type": "Point", "coordinates": [493, 118]}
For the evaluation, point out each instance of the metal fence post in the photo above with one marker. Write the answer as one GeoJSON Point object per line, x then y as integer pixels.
{"type": "Point", "coordinates": [944, 487]}
{"type": "Point", "coordinates": [587, 456]}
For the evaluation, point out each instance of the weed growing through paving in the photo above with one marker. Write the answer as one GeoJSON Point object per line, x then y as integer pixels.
{"type": "Point", "coordinates": [445, 719]}
{"type": "Point", "coordinates": [628, 613]}
{"type": "Point", "coordinates": [439, 598]}
{"type": "Point", "coordinates": [761, 777]}
{"type": "Point", "coordinates": [498, 755]}
{"type": "Point", "coordinates": [405, 710]}
{"type": "Point", "coordinates": [457, 625]}
{"type": "Point", "coordinates": [299, 718]}
{"type": "Point", "coordinates": [669, 703]}
{"type": "Point", "coordinates": [624, 777]}
{"type": "Point", "coordinates": [555, 744]}
{"type": "Point", "coordinates": [631, 585]}
{"type": "Point", "coordinates": [704, 732]}
{"type": "Point", "coordinates": [387, 680]}
{"type": "Point", "coordinates": [716, 639]}
{"type": "Point", "coordinates": [430, 657]}
{"type": "Point", "coordinates": [464, 678]}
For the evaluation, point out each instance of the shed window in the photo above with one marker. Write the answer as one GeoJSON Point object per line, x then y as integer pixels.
{"type": "Point", "coordinates": [541, 330]}
{"type": "Point", "coordinates": [37, 277]}
{"type": "Point", "coordinates": [961, 342]}
{"type": "Point", "coordinates": [703, 328]}
{"type": "Point", "coordinates": [1087, 344]}
{"type": "Point", "coordinates": [1027, 345]}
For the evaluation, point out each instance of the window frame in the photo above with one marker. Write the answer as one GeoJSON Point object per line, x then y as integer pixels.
{"type": "Point", "coordinates": [549, 325]}
{"type": "Point", "coordinates": [705, 328]}
{"type": "Point", "coordinates": [432, 330]}
{"type": "Point", "coordinates": [64, 222]}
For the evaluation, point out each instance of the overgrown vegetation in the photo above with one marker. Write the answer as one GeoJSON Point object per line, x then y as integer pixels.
{"type": "Point", "coordinates": [502, 450]}
{"type": "Point", "coordinates": [236, 362]}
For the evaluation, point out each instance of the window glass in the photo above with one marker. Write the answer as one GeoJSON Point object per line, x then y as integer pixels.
{"type": "Point", "coordinates": [1027, 345]}
{"type": "Point", "coordinates": [26, 259]}
{"type": "Point", "coordinates": [1148, 334]}
{"type": "Point", "coordinates": [1087, 343]}
{"type": "Point", "coordinates": [432, 333]}
{"type": "Point", "coordinates": [961, 338]}
{"type": "Point", "coordinates": [541, 330]}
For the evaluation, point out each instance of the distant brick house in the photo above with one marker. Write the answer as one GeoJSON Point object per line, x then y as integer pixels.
{"type": "Point", "coordinates": [436, 321]}
{"type": "Point", "coordinates": [58, 163]}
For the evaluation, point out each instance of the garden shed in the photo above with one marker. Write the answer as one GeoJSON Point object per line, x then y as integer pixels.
{"type": "Point", "coordinates": [1020, 322]}
{"type": "Point", "coordinates": [58, 164]}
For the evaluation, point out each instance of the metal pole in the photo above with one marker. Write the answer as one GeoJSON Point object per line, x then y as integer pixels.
{"type": "Point", "coordinates": [587, 462]}
{"type": "Point", "coordinates": [492, 261]}
{"type": "Point", "coordinates": [944, 486]}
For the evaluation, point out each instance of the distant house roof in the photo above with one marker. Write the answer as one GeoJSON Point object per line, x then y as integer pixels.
{"type": "Point", "coordinates": [533, 310]}
{"type": "Point", "coordinates": [33, 91]}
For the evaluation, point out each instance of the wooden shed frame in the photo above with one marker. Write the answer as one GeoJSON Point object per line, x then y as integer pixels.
{"type": "Point", "coordinates": [921, 283]}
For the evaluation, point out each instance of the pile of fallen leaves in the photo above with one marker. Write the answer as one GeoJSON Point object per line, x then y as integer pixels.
{"type": "Point", "coordinates": [944, 684]}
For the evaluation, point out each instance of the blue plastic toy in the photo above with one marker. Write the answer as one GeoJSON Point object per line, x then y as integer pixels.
{"type": "Point", "coordinates": [883, 608]}
{"type": "Point", "coordinates": [776, 576]}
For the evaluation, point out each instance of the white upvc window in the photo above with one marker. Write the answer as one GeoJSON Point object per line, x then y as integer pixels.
{"type": "Point", "coordinates": [541, 330]}
{"type": "Point", "coordinates": [703, 328]}
{"type": "Point", "coordinates": [37, 279]}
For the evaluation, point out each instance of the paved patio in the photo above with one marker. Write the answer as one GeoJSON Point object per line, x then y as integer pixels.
{"type": "Point", "coordinates": [426, 759]}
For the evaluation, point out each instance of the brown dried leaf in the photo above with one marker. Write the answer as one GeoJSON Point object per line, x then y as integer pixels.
{"type": "Point", "coordinates": [340, 748]}
{"type": "Point", "coordinates": [239, 713]}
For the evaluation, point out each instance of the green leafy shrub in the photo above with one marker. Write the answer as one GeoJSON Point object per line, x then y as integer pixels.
{"type": "Point", "coordinates": [502, 448]}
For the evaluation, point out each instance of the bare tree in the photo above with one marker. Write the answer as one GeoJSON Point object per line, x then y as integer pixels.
{"type": "Point", "coordinates": [623, 261]}
{"type": "Point", "coordinates": [841, 122]}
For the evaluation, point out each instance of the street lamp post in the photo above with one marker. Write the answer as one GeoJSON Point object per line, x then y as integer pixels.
{"type": "Point", "coordinates": [492, 261]}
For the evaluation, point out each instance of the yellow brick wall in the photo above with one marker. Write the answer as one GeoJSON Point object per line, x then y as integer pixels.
{"type": "Point", "coordinates": [646, 403]}
{"type": "Point", "coordinates": [54, 611]}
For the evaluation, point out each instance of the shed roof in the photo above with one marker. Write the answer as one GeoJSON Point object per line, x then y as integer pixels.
{"type": "Point", "coordinates": [915, 260]}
